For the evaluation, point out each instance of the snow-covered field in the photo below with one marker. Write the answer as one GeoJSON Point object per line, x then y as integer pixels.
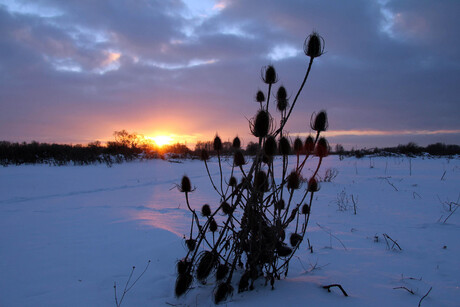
{"type": "Point", "coordinates": [68, 233]}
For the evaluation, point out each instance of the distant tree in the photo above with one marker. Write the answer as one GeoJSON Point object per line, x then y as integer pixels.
{"type": "Point", "coordinates": [200, 145]}
{"type": "Point", "coordinates": [177, 148]}
{"type": "Point", "coordinates": [339, 149]}
{"type": "Point", "coordinates": [252, 148]}
{"type": "Point", "coordinates": [126, 139]}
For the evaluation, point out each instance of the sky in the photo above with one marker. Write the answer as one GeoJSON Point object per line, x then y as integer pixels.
{"type": "Point", "coordinates": [76, 71]}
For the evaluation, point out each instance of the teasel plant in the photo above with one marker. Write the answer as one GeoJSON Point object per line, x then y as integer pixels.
{"type": "Point", "coordinates": [243, 238]}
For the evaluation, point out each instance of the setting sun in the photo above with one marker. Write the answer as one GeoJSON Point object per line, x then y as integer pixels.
{"type": "Point", "coordinates": [161, 140]}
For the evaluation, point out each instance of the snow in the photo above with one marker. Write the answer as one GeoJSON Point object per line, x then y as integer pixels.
{"type": "Point", "coordinates": [68, 233]}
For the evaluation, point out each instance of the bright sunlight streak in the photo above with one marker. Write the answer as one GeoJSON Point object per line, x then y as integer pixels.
{"type": "Point", "coordinates": [161, 140]}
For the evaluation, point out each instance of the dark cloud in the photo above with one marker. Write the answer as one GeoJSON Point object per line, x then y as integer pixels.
{"type": "Point", "coordinates": [92, 67]}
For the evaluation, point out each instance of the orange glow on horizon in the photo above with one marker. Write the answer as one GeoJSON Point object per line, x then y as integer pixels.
{"type": "Point", "coordinates": [162, 140]}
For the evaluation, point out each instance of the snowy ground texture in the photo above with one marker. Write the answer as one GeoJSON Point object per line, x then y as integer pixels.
{"type": "Point", "coordinates": [68, 233]}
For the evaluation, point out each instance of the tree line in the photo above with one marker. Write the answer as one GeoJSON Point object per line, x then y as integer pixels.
{"type": "Point", "coordinates": [131, 146]}
{"type": "Point", "coordinates": [409, 149]}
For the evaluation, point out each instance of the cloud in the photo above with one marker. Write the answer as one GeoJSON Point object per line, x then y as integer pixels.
{"type": "Point", "coordinates": [124, 64]}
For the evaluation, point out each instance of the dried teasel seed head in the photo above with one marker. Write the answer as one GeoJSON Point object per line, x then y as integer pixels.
{"type": "Point", "coordinates": [185, 185]}
{"type": "Point", "coordinates": [305, 209]}
{"type": "Point", "coordinates": [232, 181]}
{"type": "Point", "coordinates": [309, 144]}
{"type": "Point", "coordinates": [295, 239]}
{"type": "Point", "coordinates": [261, 181]}
{"type": "Point", "coordinates": [284, 146]}
{"type": "Point", "coordinates": [206, 262]}
{"type": "Point", "coordinates": [298, 145]}
{"type": "Point", "coordinates": [213, 225]}
{"type": "Point", "coordinates": [238, 158]}
{"type": "Point", "coordinates": [320, 122]}
{"type": "Point", "coordinates": [281, 94]}
{"type": "Point", "coordinates": [270, 146]}
{"type": "Point", "coordinates": [281, 99]}
{"type": "Point", "coordinates": [269, 75]}
{"type": "Point", "coordinates": [260, 125]}
{"type": "Point", "coordinates": [314, 45]}
{"type": "Point", "coordinates": [204, 155]}
{"type": "Point", "coordinates": [183, 266]}
{"type": "Point", "coordinates": [236, 143]}
{"type": "Point", "coordinates": [221, 271]}
{"type": "Point", "coordinates": [226, 208]}
{"type": "Point", "coordinates": [222, 291]}
{"type": "Point", "coordinates": [313, 185]}
{"type": "Point", "coordinates": [293, 181]}
{"type": "Point", "coordinates": [217, 145]}
{"type": "Point", "coordinates": [283, 250]}
{"type": "Point", "coordinates": [267, 159]}
{"type": "Point", "coordinates": [191, 244]}
{"type": "Point", "coordinates": [260, 97]}
{"type": "Point", "coordinates": [205, 210]}
{"type": "Point", "coordinates": [322, 148]}
{"type": "Point", "coordinates": [183, 283]}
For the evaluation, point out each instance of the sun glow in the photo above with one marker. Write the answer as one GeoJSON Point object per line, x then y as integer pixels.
{"type": "Point", "coordinates": [161, 140]}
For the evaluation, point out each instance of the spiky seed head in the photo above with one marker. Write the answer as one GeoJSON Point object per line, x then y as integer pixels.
{"type": "Point", "coordinates": [320, 122]}
{"type": "Point", "coordinates": [222, 291]}
{"type": "Point", "coordinates": [293, 181]}
{"type": "Point", "coordinates": [283, 250]}
{"type": "Point", "coordinates": [183, 283]}
{"type": "Point", "coordinates": [204, 155]}
{"type": "Point", "coordinates": [206, 262]}
{"type": "Point", "coordinates": [205, 210]}
{"type": "Point", "coordinates": [267, 159]}
{"type": "Point", "coordinates": [295, 239]}
{"type": "Point", "coordinates": [281, 99]}
{"type": "Point", "coordinates": [269, 75]}
{"type": "Point", "coordinates": [191, 244]}
{"type": "Point", "coordinates": [313, 185]}
{"type": "Point", "coordinates": [232, 181]}
{"type": "Point", "coordinates": [185, 185]}
{"type": "Point", "coordinates": [217, 145]}
{"type": "Point", "coordinates": [226, 208]}
{"type": "Point", "coordinates": [183, 266]}
{"type": "Point", "coordinates": [314, 45]}
{"type": "Point", "coordinates": [305, 209]}
{"type": "Point", "coordinates": [222, 271]}
{"type": "Point", "coordinates": [238, 158]}
{"type": "Point", "coordinates": [279, 205]}
{"type": "Point", "coordinates": [236, 143]}
{"type": "Point", "coordinates": [322, 148]}
{"type": "Point", "coordinates": [213, 225]}
{"type": "Point", "coordinates": [270, 146]}
{"type": "Point", "coordinates": [261, 181]}
{"type": "Point", "coordinates": [284, 146]}
{"type": "Point", "coordinates": [260, 97]}
{"type": "Point", "coordinates": [309, 144]}
{"type": "Point", "coordinates": [260, 126]}
{"type": "Point", "coordinates": [281, 94]}
{"type": "Point", "coordinates": [298, 145]}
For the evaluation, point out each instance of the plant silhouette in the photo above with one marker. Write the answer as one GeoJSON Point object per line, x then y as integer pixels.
{"type": "Point", "coordinates": [259, 209]}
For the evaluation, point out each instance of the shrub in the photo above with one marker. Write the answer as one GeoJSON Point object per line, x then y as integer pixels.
{"type": "Point", "coordinates": [258, 211]}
